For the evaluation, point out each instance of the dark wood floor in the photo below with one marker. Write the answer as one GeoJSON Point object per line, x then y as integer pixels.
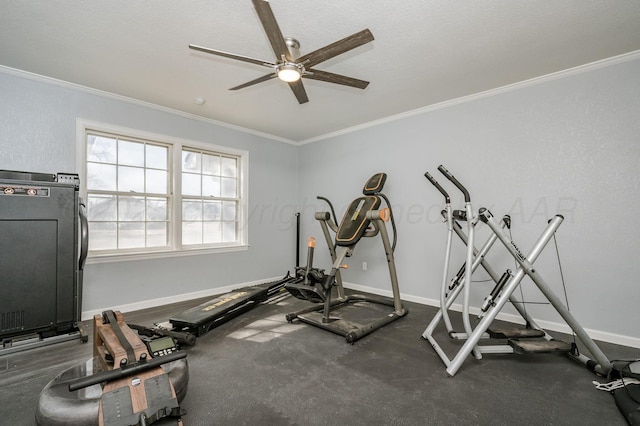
{"type": "Point", "coordinates": [258, 369]}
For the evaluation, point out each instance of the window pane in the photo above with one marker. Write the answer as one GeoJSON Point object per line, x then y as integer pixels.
{"type": "Point", "coordinates": [102, 208]}
{"type": "Point", "coordinates": [229, 167]}
{"type": "Point", "coordinates": [212, 232]}
{"type": "Point", "coordinates": [156, 181]}
{"type": "Point", "coordinates": [157, 157]}
{"type": "Point", "coordinates": [157, 209]}
{"type": "Point", "coordinates": [191, 184]}
{"type": "Point", "coordinates": [192, 210]}
{"type": "Point", "coordinates": [131, 153]}
{"type": "Point", "coordinates": [229, 210]}
{"type": "Point", "coordinates": [229, 187]}
{"type": "Point", "coordinates": [212, 210]}
{"type": "Point", "coordinates": [130, 234]}
{"type": "Point", "coordinates": [103, 236]}
{"type": "Point", "coordinates": [157, 234]}
{"type": "Point", "coordinates": [210, 186]}
{"type": "Point", "coordinates": [211, 164]}
{"type": "Point", "coordinates": [101, 149]}
{"type": "Point", "coordinates": [228, 232]}
{"type": "Point", "coordinates": [190, 161]}
{"type": "Point", "coordinates": [130, 179]}
{"type": "Point", "coordinates": [101, 177]}
{"type": "Point", "coordinates": [130, 208]}
{"type": "Point", "coordinates": [192, 233]}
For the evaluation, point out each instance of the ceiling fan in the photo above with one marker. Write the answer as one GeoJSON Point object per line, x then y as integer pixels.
{"type": "Point", "coordinates": [288, 66]}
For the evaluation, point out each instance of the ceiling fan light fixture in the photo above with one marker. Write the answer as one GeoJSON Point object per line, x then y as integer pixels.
{"type": "Point", "coordinates": [288, 72]}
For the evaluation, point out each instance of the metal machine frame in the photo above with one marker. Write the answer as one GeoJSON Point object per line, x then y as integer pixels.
{"type": "Point", "coordinates": [362, 212]}
{"type": "Point", "coordinates": [502, 293]}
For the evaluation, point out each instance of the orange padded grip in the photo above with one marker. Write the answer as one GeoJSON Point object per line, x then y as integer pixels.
{"type": "Point", "coordinates": [311, 242]}
{"type": "Point", "coordinates": [385, 214]}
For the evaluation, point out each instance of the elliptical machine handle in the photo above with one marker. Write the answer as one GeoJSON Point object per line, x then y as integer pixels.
{"type": "Point", "coordinates": [438, 187]}
{"type": "Point", "coordinates": [448, 175]}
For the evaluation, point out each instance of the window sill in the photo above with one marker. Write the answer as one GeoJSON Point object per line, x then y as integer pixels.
{"type": "Point", "coordinates": [123, 257]}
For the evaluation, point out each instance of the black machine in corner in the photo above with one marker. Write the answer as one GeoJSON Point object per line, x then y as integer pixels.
{"type": "Point", "coordinates": [43, 248]}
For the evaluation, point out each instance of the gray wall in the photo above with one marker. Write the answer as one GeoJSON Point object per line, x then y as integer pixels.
{"type": "Point", "coordinates": [38, 133]}
{"type": "Point", "coordinates": [568, 145]}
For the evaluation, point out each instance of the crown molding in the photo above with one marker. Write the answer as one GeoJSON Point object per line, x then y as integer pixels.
{"type": "Point", "coordinates": [481, 95]}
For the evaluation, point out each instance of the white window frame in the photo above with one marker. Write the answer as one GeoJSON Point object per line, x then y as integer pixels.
{"type": "Point", "coordinates": [175, 187]}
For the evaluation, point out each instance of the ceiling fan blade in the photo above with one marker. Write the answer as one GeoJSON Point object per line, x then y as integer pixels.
{"type": "Point", "coordinates": [268, 20]}
{"type": "Point", "coordinates": [298, 90]}
{"type": "Point", "coordinates": [335, 49]}
{"type": "Point", "coordinates": [330, 77]}
{"type": "Point", "coordinates": [256, 81]}
{"type": "Point", "coordinates": [232, 56]}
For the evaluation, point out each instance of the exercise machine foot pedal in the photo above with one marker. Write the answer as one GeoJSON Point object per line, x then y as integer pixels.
{"type": "Point", "coordinates": [514, 333]}
{"type": "Point", "coordinates": [305, 292]}
{"type": "Point", "coordinates": [539, 346]}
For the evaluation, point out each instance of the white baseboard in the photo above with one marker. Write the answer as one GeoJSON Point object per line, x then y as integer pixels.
{"type": "Point", "coordinates": [603, 336]}
{"type": "Point", "coordinates": [152, 303]}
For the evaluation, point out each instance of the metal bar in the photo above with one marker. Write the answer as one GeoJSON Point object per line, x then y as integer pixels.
{"type": "Point", "coordinates": [324, 224]}
{"type": "Point", "coordinates": [445, 273]}
{"type": "Point", "coordinates": [527, 266]}
{"type": "Point", "coordinates": [117, 373]}
{"type": "Point", "coordinates": [380, 224]}
{"type": "Point", "coordinates": [468, 271]}
{"type": "Point", "coordinates": [36, 342]}
{"type": "Point", "coordinates": [510, 287]}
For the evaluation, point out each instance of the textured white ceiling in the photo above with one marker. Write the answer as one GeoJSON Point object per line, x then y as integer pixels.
{"type": "Point", "coordinates": [425, 52]}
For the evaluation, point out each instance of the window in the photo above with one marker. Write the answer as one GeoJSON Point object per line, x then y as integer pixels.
{"type": "Point", "coordinates": [209, 198]}
{"type": "Point", "coordinates": [127, 193]}
{"type": "Point", "coordinates": [148, 195]}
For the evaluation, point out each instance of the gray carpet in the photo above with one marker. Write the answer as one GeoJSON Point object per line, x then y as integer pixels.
{"type": "Point", "coordinates": [257, 369]}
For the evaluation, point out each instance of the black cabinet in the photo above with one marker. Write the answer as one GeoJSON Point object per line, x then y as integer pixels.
{"type": "Point", "coordinates": [43, 245]}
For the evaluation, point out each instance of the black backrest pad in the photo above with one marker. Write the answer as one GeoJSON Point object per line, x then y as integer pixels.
{"type": "Point", "coordinates": [374, 184]}
{"type": "Point", "coordinates": [355, 222]}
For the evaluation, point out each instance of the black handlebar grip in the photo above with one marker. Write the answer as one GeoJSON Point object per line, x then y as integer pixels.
{"type": "Point", "coordinates": [108, 375]}
{"type": "Point", "coordinates": [438, 187]}
{"type": "Point", "coordinates": [448, 175]}
{"type": "Point", "coordinates": [84, 235]}
{"type": "Point", "coordinates": [333, 212]}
